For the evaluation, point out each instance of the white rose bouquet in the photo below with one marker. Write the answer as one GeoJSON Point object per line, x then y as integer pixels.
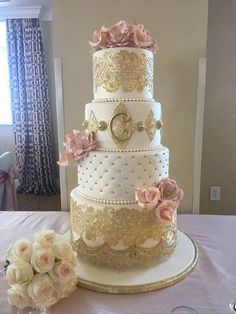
{"type": "Point", "coordinates": [42, 272]}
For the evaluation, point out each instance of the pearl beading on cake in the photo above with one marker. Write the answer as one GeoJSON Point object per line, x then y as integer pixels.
{"type": "Point", "coordinates": [128, 150]}
{"type": "Point", "coordinates": [104, 201]}
{"type": "Point", "coordinates": [123, 99]}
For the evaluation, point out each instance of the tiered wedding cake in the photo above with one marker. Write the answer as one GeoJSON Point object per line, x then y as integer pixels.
{"type": "Point", "coordinates": [123, 211]}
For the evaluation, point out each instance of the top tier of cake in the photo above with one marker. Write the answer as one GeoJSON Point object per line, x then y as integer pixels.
{"type": "Point", "coordinates": [123, 74]}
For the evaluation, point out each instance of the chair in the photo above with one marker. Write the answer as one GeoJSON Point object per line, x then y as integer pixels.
{"type": "Point", "coordinates": [7, 184]}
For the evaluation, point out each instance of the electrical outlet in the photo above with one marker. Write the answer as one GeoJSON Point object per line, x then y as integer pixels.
{"type": "Point", "coordinates": [215, 193]}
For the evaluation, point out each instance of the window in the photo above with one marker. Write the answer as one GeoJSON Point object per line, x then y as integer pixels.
{"type": "Point", "coordinates": [5, 104]}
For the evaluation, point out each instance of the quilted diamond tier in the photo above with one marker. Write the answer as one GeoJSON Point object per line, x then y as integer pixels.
{"type": "Point", "coordinates": [113, 176]}
{"type": "Point", "coordinates": [125, 124]}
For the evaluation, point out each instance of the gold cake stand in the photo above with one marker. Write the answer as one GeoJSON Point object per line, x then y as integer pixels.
{"type": "Point", "coordinates": [141, 279]}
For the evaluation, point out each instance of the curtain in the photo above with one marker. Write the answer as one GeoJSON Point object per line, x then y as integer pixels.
{"type": "Point", "coordinates": [32, 126]}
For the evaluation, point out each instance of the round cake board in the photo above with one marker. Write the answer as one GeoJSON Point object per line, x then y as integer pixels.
{"type": "Point", "coordinates": [139, 279]}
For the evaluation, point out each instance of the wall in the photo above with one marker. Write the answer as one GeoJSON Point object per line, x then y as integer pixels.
{"type": "Point", "coordinates": [180, 28]}
{"type": "Point", "coordinates": [6, 139]}
{"type": "Point", "coordinates": [219, 148]}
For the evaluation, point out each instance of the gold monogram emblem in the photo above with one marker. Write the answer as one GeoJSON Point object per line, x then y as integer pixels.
{"type": "Point", "coordinates": [121, 126]}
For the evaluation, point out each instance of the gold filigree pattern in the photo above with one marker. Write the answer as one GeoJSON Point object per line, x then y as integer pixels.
{"type": "Point", "coordinates": [121, 126]}
{"type": "Point", "coordinates": [128, 226]}
{"type": "Point", "coordinates": [93, 125]}
{"type": "Point", "coordinates": [128, 70]}
{"type": "Point", "coordinates": [150, 125]}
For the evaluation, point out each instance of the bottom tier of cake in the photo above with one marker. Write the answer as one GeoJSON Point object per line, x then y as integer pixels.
{"type": "Point", "coordinates": [117, 234]}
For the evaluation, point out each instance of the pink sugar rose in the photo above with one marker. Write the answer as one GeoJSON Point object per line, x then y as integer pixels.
{"type": "Point", "coordinates": [165, 211]}
{"type": "Point", "coordinates": [99, 40]}
{"type": "Point", "coordinates": [169, 190]}
{"type": "Point", "coordinates": [120, 35]}
{"type": "Point", "coordinates": [76, 146]}
{"type": "Point", "coordinates": [143, 39]}
{"type": "Point", "coordinates": [147, 197]}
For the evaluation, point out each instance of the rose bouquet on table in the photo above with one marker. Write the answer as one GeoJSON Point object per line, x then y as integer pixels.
{"type": "Point", "coordinates": [41, 272]}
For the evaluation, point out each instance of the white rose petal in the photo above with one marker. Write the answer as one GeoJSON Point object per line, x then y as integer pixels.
{"type": "Point", "coordinates": [66, 289]}
{"type": "Point", "coordinates": [63, 271]}
{"type": "Point", "coordinates": [62, 249]}
{"type": "Point", "coordinates": [18, 296]}
{"type": "Point", "coordinates": [19, 272]}
{"type": "Point", "coordinates": [46, 238]}
{"type": "Point", "coordinates": [42, 260]}
{"type": "Point", "coordinates": [21, 250]}
{"type": "Point", "coordinates": [41, 289]}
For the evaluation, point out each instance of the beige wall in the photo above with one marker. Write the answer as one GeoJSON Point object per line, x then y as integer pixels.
{"type": "Point", "coordinates": [6, 139]}
{"type": "Point", "coordinates": [219, 144]}
{"type": "Point", "coordinates": [180, 29]}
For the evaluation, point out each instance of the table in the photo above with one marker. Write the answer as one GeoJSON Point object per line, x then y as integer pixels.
{"type": "Point", "coordinates": [208, 289]}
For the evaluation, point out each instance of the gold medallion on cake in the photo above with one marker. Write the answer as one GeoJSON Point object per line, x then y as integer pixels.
{"type": "Point", "coordinates": [150, 124]}
{"type": "Point", "coordinates": [121, 126]}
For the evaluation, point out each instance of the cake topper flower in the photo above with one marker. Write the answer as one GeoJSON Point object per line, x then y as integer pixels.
{"type": "Point", "coordinates": [163, 197]}
{"type": "Point", "coordinates": [122, 34]}
{"type": "Point", "coordinates": [42, 272]}
{"type": "Point", "coordinates": [76, 146]}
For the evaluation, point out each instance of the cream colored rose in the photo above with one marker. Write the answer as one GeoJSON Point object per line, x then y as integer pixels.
{"type": "Point", "coordinates": [18, 296]}
{"type": "Point", "coordinates": [63, 271]}
{"type": "Point", "coordinates": [62, 249]}
{"type": "Point", "coordinates": [65, 289]}
{"type": "Point", "coordinates": [19, 272]}
{"type": "Point", "coordinates": [20, 251]}
{"type": "Point", "coordinates": [41, 290]}
{"type": "Point", "coordinates": [45, 238]}
{"type": "Point", "coordinates": [42, 260]}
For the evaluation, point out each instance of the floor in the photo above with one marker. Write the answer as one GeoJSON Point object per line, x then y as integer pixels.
{"type": "Point", "coordinates": [31, 202]}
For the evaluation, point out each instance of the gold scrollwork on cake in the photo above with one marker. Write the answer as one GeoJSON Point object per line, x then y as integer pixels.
{"type": "Point", "coordinates": [93, 125]}
{"type": "Point", "coordinates": [128, 226]}
{"type": "Point", "coordinates": [150, 125]}
{"type": "Point", "coordinates": [121, 126]}
{"type": "Point", "coordinates": [128, 70]}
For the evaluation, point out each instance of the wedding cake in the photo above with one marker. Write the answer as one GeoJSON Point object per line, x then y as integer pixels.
{"type": "Point", "coordinates": [123, 211]}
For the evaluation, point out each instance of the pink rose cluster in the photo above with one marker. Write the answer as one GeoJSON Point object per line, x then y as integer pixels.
{"type": "Point", "coordinates": [163, 196]}
{"type": "Point", "coordinates": [122, 34]}
{"type": "Point", "coordinates": [76, 146]}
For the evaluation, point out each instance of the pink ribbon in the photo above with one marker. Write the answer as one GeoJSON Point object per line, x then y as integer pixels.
{"type": "Point", "coordinates": [9, 197]}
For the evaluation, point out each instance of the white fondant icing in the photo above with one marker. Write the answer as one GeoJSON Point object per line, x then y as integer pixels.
{"type": "Point", "coordinates": [114, 175]}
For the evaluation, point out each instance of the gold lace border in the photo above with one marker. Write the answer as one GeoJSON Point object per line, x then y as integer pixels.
{"type": "Point", "coordinates": [104, 255]}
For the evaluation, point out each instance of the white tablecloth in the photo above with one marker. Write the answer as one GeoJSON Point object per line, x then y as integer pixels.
{"type": "Point", "coordinates": [208, 289]}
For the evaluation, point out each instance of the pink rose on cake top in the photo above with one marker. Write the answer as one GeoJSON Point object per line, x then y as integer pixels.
{"type": "Point", "coordinates": [122, 34]}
